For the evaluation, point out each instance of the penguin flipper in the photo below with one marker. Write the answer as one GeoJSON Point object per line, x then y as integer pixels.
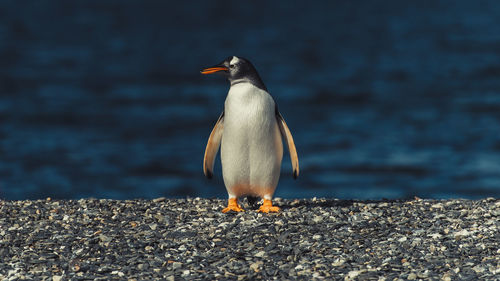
{"type": "Point", "coordinates": [287, 135]}
{"type": "Point", "coordinates": [212, 147]}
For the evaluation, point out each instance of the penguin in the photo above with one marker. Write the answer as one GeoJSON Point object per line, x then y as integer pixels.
{"type": "Point", "coordinates": [249, 132]}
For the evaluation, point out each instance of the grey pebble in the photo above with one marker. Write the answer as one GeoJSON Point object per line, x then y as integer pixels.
{"type": "Point", "coordinates": [178, 239]}
{"type": "Point", "coordinates": [176, 265]}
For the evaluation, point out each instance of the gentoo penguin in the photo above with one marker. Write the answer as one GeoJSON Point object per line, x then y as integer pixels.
{"type": "Point", "coordinates": [249, 132]}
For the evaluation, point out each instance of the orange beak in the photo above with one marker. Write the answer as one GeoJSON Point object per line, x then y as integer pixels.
{"type": "Point", "coordinates": [211, 70]}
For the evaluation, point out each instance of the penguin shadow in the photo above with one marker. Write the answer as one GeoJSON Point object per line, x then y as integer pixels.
{"type": "Point", "coordinates": [335, 203]}
{"type": "Point", "coordinates": [251, 203]}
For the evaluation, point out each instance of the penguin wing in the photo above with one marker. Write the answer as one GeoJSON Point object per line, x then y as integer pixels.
{"type": "Point", "coordinates": [212, 147]}
{"type": "Point", "coordinates": [285, 132]}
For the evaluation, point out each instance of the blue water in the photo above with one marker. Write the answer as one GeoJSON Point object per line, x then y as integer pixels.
{"type": "Point", "coordinates": [388, 99]}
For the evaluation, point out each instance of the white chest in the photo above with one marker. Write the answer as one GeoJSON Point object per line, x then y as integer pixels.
{"type": "Point", "coordinates": [251, 147]}
{"type": "Point", "coordinates": [246, 104]}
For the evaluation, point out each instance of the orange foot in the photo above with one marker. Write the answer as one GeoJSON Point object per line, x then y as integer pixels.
{"type": "Point", "coordinates": [232, 205]}
{"type": "Point", "coordinates": [267, 207]}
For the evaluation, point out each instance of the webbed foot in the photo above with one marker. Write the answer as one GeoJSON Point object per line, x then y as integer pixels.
{"type": "Point", "coordinates": [232, 205]}
{"type": "Point", "coordinates": [267, 207]}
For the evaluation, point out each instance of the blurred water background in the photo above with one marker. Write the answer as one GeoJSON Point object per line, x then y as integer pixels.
{"type": "Point", "coordinates": [385, 99]}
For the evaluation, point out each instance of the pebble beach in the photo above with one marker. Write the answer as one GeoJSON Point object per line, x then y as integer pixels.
{"type": "Point", "coordinates": [190, 239]}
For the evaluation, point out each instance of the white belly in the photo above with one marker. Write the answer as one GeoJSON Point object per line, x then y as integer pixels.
{"type": "Point", "coordinates": [251, 147]}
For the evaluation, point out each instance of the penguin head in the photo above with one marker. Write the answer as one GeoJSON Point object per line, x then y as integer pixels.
{"type": "Point", "coordinates": [236, 68]}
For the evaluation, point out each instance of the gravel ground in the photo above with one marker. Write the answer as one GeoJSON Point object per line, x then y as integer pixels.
{"type": "Point", "coordinates": [176, 239]}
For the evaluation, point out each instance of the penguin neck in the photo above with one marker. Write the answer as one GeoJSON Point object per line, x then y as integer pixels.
{"type": "Point", "coordinates": [254, 80]}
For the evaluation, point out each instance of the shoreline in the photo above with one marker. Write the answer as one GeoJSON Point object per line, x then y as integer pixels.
{"type": "Point", "coordinates": [176, 239]}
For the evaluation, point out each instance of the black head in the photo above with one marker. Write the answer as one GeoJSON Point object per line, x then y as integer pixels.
{"type": "Point", "coordinates": [237, 69]}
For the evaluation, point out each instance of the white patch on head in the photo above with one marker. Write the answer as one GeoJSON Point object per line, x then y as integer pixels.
{"type": "Point", "coordinates": [235, 60]}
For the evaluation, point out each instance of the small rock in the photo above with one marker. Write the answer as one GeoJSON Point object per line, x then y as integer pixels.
{"type": "Point", "coordinates": [255, 266]}
{"type": "Point", "coordinates": [478, 269]}
{"type": "Point", "coordinates": [260, 254]}
{"type": "Point", "coordinates": [104, 238]}
{"type": "Point", "coordinates": [299, 267]}
{"type": "Point", "coordinates": [353, 274]}
{"type": "Point", "coordinates": [435, 235]}
{"type": "Point", "coordinates": [446, 278]}
{"type": "Point", "coordinates": [176, 265]}
{"type": "Point", "coordinates": [338, 262]}
{"type": "Point", "coordinates": [317, 219]}
{"type": "Point", "coordinates": [463, 232]}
